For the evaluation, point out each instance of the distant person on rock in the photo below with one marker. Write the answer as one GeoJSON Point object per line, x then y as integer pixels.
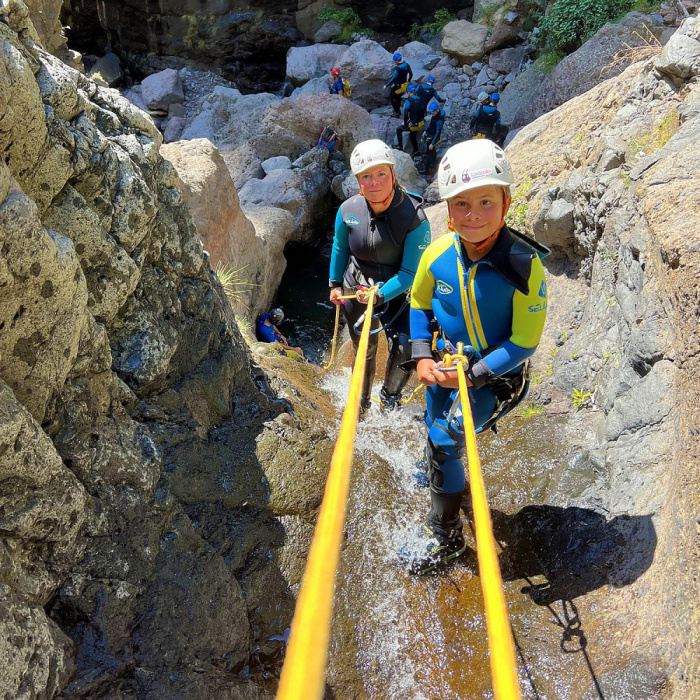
{"type": "Point", "coordinates": [266, 330]}
{"type": "Point", "coordinates": [413, 119]}
{"type": "Point", "coordinates": [380, 235]}
{"type": "Point", "coordinates": [433, 135]}
{"type": "Point", "coordinates": [398, 82]}
{"type": "Point", "coordinates": [426, 91]}
{"type": "Point", "coordinates": [336, 87]}
{"type": "Point", "coordinates": [482, 285]}
{"type": "Point", "coordinates": [328, 139]}
{"type": "Point", "coordinates": [486, 122]}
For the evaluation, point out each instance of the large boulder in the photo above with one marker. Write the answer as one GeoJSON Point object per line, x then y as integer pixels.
{"type": "Point", "coordinates": [160, 90]}
{"type": "Point", "coordinates": [421, 57]}
{"type": "Point", "coordinates": [367, 66]}
{"type": "Point", "coordinates": [505, 33]}
{"type": "Point", "coordinates": [521, 94]}
{"type": "Point", "coordinates": [507, 60]}
{"type": "Point", "coordinates": [444, 72]}
{"type": "Point", "coordinates": [606, 54]}
{"type": "Point", "coordinates": [315, 86]}
{"type": "Point", "coordinates": [307, 62]}
{"type": "Point", "coordinates": [108, 69]}
{"type": "Point", "coordinates": [681, 55]}
{"type": "Point", "coordinates": [225, 231]}
{"type": "Point", "coordinates": [464, 40]}
{"type": "Point", "coordinates": [300, 191]}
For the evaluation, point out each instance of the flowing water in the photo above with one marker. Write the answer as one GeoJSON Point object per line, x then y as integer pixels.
{"type": "Point", "coordinates": [401, 637]}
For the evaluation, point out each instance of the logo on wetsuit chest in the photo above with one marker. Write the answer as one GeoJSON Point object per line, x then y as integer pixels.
{"type": "Point", "coordinates": [352, 221]}
{"type": "Point", "coordinates": [443, 287]}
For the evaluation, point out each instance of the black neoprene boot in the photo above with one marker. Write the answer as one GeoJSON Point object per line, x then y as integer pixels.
{"type": "Point", "coordinates": [441, 540]}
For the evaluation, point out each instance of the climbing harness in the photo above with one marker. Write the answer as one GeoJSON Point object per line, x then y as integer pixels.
{"type": "Point", "coordinates": [501, 647]}
{"type": "Point", "coordinates": [304, 667]}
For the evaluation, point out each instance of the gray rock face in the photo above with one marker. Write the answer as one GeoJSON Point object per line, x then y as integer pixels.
{"type": "Point", "coordinates": [503, 34]}
{"type": "Point", "coordinates": [591, 64]}
{"type": "Point", "coordinates": [160, 90]}
{"type": "Point", "coordinates": [507, 60]}
{"type": "Point", "coordinates": [127, 399]}
{"type": "Point", "coordinates": [521, 95]}
{"type": "Point", "coordinates": [367, 66]}
{"type": "Point", "coordinates": [464, 40]}
{"type": "Point", "coordinates": [276, 163]}
{"type": "Point", "coordinates": [327, 31]}
{"type": "Point", "coordinates": [307, 62]}
{"type": "Point", "coordinates": [109, 69]}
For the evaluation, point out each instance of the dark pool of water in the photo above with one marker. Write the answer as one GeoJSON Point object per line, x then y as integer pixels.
{"type": "Point", "coordinates": [303, 295]}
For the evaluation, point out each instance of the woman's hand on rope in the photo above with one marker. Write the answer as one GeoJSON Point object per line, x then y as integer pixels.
{"type": "Point", "coordinates": [335, 293]}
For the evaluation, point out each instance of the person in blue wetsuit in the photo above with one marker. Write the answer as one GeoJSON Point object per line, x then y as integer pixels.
{"type": "Point", "coordinates": [483, 285]}
{"type": "Point", "coordinates": [427, 92]}
{"type": "Point", "coordinates": [398, 82]}
{"type": "Point", "coordinates": [433, 135]}
{"type": "Point", "coordinates": [380, 235]}
{"type": "Point", "coordinates": [266, 330]}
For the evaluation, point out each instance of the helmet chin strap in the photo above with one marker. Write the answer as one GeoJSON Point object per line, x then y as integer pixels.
{"type": "Point", "coordinates": [483, 244]}
{"type": "Point", "coordinates": [387, 201]}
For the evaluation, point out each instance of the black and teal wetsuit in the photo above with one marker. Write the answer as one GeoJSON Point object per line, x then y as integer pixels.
{"type": "Point", "coordinates": [427, 93]}
{"type": "Point", "coordinates": [397, 84]}
{"type": "Point", "coordinates": [486, 121]}
{"type": "Point", "coordinates": [413, 121]}
{"type": "Point", "coordinates": [497, 305]}
{"type": "Point", "coordinates": [382, 249]}
{"type": "Point", "coordinates": [433, 136]}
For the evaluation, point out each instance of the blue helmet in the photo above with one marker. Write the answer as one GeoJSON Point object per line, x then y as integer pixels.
{"type": "Point", "coordinates": [430, 80]}
{"type": "Point", "coordinates": [495, 97]}
{"type": "Point", "coordinates": [433, 106]}
{"type": "Point", "coordinates": [396, 57]}
{"type": "Point", "coordinates": [411, 88]}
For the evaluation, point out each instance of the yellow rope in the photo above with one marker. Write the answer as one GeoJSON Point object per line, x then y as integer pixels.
{"type": "Point", "coordinates": [503, 664]}
{"type": "Point", "coordinates": [304, 667]}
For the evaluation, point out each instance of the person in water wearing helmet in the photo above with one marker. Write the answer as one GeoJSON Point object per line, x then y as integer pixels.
{"type": "Point", "coordinates": [336, 87]}
{"type": "Point", "coordinates": [483, 285]}
{"type": "Point", "coordinates": [433, 135]}
{"type": "Point", "coordinates": [380, 235]}
{"type": "Point", "coordinates": [413, 119]}
{"type": "Point", "coordinates": [486, 122]}
{"type": "Point", "coordinates": [426, 91]}
{"type": "Point", "coordinates": [266, 330]}
{"type": "Point", "coordinates": [398, 82]}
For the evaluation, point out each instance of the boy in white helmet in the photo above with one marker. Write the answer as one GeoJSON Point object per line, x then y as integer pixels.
{"type": "Point", "coordinates": [482, 285]}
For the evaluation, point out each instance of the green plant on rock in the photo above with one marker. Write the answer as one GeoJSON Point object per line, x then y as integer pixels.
{"type": "Point", "coordinates": [535, 380]}
{"type": "Point", "coordinates": [347, 18]}
{"type": "Point", "coordinates": [580, 398]}
{"type": "Point", "coordinates": [648, 142]}
{"type": "Point", "coordinates": [245, 326]}
{"type": "Point", "coordinates": [231, 280]}
{"type": "Point", "coordinates": [549, 60]}
{"type": "Point", "coordinates": [487, 13]}
{"type": "Point", "coordinates": [441, 17]}
{"type": "Point", "coordinates": [529, 410]}
{"type": "Point", "coordinates": [517, 214]}
{"type": "Point", "coordinates": [552, 352]}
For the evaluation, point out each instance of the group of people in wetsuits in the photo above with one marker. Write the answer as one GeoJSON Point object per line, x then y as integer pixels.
{"type": "Point", "coordinates": [422, 102]}
{"type": "Point", "coordinates": [482, 284]}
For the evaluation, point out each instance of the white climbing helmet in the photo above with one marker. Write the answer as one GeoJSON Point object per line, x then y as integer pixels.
{"type": "Point", "coordinates": [472, 164]}
{"type": "Point", "coordinates": [370, 153]}
{"type": "Point", "coordinates": [482, 97]}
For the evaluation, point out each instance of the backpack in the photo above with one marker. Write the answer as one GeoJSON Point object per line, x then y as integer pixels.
{"type": "Point", "coordinates": [347, 90]}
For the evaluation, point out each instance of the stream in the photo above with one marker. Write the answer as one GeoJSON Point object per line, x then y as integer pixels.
{"type": "Point", "coordinates": [401, 637]}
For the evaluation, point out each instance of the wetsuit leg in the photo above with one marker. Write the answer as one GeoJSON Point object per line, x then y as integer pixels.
{"type": "Point", "coordinates": [397, 331]}
{"type": "Point", "coordinates": [414, 142]}
{"type": "Point", "coordinates": [399, 135]}
{"type": "Point", "coordinates": [395, 99]}
{"type": "Point", "coordinates": [353, 310]}
{"type": "Point", "coordinates": [446, 441]}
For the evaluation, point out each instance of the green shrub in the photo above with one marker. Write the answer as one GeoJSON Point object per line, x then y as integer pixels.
{"type": "Point", "coordinates": [348, 19]}
{"type": "Point", "coordinates": [440, 19]}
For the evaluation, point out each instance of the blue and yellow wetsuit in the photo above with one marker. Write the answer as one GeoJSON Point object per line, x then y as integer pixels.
{"type": "Point", "coordinates": [498, 305]}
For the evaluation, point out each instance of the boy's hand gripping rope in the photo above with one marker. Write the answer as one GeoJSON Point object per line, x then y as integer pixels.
{"type": "Point", "coordinates": [503, 664]}
{"type": "Point", "coordinates": [304, 667]}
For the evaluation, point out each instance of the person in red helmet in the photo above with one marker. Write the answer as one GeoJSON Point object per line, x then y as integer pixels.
{"type": "Point", "coordinates": [336, 82]}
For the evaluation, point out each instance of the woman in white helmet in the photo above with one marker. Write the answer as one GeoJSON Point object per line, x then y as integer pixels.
{"type": "Point", "coordinates": [380, 235]}
{"type": "Point", "coordinates": [483, 285]}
